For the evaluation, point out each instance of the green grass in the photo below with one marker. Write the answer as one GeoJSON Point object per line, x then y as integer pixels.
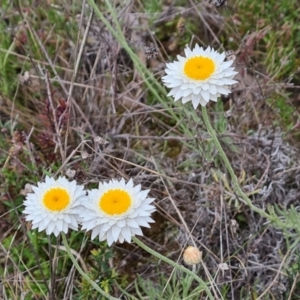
{"type": "Point", "coordinates": [280, 46]}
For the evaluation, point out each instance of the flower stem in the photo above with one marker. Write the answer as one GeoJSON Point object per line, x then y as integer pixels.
{"type": "Point", "coordinates": [174, 264]}
{"type": "Point", "coordinates": [229, 168]}
{"type": "Point", "coordinates": [85, 276]}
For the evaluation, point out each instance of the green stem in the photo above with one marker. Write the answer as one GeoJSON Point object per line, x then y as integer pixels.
{"type": "Point", "coordinates": [229, 168]}
{"type": "Point", "coordinates": [85, 276]}
{"type": "Point", "coordinates": [174, 264]}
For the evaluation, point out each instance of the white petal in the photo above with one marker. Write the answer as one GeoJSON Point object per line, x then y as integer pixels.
{"type": "Point", "coordinates": [136, 231]}
{"type": "Point", "coordinates": [121, 223]}
{"type": "Point", "coordinates": [178, 95]}
{"type": "Point", "coordinates": [212, 89]}
{"type": "Point", "coordinates": [142, 222]}
{"type": "Point", "coordinates": [205, 86]}
{"type": "Point", "coordinates": [186, 99]}
{"type": "Point", "coordinates": [132, 223]}
{"type": "Point", "coordinates": [121, 238]}
{"type": "Point", "coordinates": [65, 228]}
{"type": "Point", "coordinates": [59, 225]}
{"type": "Point", "coordinates": [126, 233]}
{"type": "Point", "coordinates": [222, 90]}
{"type": "Point", "coordinates": [205, 95]}
{"type": "Point", "coordinates": [50, 228]}
{"type": "Point", "coordinates": [56, 232]}
{"type": "Point", "coordinates": [213, 97]}
{"type": "Point", "coordinates": [110, 238]}
{"type": "Point", "coordinates": [115, 232]}
{"type": "Point", "coordinates": [95, 232]}
{"type": "Point", "coordinates": [202, 101]}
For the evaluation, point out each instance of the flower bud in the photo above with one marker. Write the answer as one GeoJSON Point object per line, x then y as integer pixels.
{"type": "Point", "coordinates": [192, 256]}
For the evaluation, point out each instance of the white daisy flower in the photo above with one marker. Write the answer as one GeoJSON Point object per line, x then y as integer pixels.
{"type": "Point", "coordinates": [116, 211]}
{"type": "Point", "coordinates": [201, 76]}
{"type": "Point", "coordinates": [54, 205]}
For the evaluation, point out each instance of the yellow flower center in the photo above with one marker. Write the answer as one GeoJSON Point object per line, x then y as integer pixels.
{"type": "Point", "coordinates": [115, 202]}
{"type": "Point", "coordinates": [56, 199]}
{"type": "Point", "coordinates": [199, 67]}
